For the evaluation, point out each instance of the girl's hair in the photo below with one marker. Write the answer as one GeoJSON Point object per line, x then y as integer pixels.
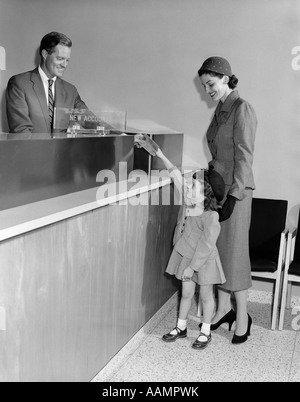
{"type": "Point", "coordinates": [233, 80]}
{"type": "Point", "coordinates": [210, 201]}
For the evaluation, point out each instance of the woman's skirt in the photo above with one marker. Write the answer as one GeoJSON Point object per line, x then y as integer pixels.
{"type": "Point", "coordinates": [233, 246]}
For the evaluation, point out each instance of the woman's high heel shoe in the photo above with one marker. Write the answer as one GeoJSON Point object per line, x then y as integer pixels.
{"type": "Point", "coordinates": [243, 338]}
{"type": "Point", "coordinates": [228, 318]}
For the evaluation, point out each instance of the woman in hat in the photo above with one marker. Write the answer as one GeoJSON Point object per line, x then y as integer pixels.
{"type": "Point", "coordinates": [230, 138]}
{"type": "Point", "coordinates": [195, 258]}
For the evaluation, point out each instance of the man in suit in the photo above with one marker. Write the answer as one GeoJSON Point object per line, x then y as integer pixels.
{"type": "Point", "coordinates": [32, 96]}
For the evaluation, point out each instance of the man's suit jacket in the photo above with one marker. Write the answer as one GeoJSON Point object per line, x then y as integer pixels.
{"type": "Point", "coordinates": [26, 104]}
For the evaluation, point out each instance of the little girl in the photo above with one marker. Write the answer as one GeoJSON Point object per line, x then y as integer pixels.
{"type": "Point", "coordinates": [195, 258]}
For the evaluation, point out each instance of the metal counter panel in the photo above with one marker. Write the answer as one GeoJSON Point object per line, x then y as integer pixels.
{"type": "Point", "coordinates": [36, 170]}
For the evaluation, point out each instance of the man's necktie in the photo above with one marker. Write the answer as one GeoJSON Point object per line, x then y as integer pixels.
{"type": "Point", "coordinates": [50, 101]}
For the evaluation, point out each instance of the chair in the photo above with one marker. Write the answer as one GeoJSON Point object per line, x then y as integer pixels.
{"type": "Point", "coordinates": [292, 271]}
{"type": "Point", "coordinates": [267, 244]}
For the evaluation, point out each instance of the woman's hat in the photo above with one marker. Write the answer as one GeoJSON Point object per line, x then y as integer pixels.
{"type": "Point", "coordinates": [216, 65]}
{"type": "Point", "coordinates": [216, 182]}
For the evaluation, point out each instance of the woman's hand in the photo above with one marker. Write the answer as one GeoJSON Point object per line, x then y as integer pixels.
{"type": "Point", "coordinates": [227, 208]}
{"type": "Point", "coordinates": [187, 274]}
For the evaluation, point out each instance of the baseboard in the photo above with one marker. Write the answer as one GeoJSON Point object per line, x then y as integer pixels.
{"type": "Point", "coordinates": [130, 347]}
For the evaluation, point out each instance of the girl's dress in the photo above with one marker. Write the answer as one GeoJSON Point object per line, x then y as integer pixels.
{"type": "Point", "coordinates": [195, 246]}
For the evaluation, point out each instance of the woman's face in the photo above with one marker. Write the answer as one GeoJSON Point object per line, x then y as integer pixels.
{"type": "Point", "coordinates": [216, 87]}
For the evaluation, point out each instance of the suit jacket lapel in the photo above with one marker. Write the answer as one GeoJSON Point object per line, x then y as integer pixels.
{"type": "Point", "coordinates": [38, 88]}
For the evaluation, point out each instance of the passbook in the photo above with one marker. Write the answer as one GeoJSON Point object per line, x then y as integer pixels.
{"type": "Point", "coordinates": [144, 141]}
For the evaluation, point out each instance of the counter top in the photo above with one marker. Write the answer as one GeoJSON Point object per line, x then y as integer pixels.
{"type": "Point", "coordinates": [22, 219]}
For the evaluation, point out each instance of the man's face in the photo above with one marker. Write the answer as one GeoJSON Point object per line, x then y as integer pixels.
{"type": "Point", "coordinates": [56, 62]}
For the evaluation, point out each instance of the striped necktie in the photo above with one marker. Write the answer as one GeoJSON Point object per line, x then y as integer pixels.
{"type": "Point", "coordinates": [50, 101]}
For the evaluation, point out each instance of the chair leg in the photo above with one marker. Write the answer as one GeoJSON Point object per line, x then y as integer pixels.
{"type": "Point", "coordinates": [275, 304]}
{"type": "Point", "coordinates": [289, 295]}
{"type": "Point", "coordinates": [283, 302]}
{"type": "Point", "coordinates": [285, 282]}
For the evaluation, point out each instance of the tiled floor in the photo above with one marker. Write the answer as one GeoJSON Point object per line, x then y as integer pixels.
{"type": "Point", "coordinates": [267, 356]}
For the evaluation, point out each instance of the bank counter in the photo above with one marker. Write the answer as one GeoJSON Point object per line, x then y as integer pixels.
{"type": "Point", "coordinates": [85, 236]}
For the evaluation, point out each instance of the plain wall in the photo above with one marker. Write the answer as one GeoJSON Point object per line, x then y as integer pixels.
{"type": "Point", "coordinates": [143, 55]}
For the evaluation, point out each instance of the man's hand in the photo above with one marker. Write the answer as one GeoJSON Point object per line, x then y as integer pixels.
{"type": "Point", "coordinates": [227, 208]}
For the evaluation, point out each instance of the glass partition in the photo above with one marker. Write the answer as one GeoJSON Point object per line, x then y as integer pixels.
{"type": "Point", "coordinates": [83, 122]}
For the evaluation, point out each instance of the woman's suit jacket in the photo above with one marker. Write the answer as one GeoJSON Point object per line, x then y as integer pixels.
{"type": "Point", "coordinates": [230, 138]}
{"type": "Point", "coordinates": [26, 103]}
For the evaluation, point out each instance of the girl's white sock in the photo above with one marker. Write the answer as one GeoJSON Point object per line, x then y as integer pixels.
{"type": "Point", "coordinates": [205, 329]}
{"type": "Point", "coordinates": [181, 324]}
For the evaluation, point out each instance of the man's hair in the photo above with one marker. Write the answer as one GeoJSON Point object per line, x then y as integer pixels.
{"type": "Point", "coordinates": [53, 39]}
